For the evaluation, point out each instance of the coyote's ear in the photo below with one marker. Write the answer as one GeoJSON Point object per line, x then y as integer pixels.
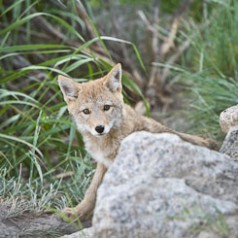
{"type": "Point", "coordinates": [68, 88]}
{"type": "Point", "coordinates": [113, 79]}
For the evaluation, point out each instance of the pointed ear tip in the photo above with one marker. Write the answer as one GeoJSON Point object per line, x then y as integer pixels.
{"type": "Point", "coordinates": [60, 78]}
{"type": "Point", "coordinates": [118, 65]}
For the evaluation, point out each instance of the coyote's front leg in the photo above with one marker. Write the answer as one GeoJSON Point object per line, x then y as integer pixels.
{"type": "Point", "coordinates": [85, 208]}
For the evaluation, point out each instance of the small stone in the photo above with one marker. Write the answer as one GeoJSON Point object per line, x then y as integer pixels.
{"type": "Point", "coordinates": [229, 125]}
{"type": "Point", "coordinates": [229, 118]}
{"type": "Point", "coordinates": [85, 233]}
{"type": "Point", "coordinates": [230, 144]}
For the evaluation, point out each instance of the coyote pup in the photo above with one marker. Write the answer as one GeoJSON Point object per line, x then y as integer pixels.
{"type": "Point", "coordinates": [104, 120]}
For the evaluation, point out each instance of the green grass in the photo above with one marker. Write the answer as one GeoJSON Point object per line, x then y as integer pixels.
{"type": "Point", "coordinates": [39, 143]}
{"type": "Point", "coordinates": [209, 67]}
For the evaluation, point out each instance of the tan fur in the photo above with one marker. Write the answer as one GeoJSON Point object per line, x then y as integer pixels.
{"type": "Point", "coordinates": [119, 121]}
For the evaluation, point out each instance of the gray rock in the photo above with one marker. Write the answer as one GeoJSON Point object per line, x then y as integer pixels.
{"type": "Point", "coordinates": [85, 233]}
{"type": "Point", "coordinates": [230, 144]}
{"type": "Point", "coordinates": [229, 119]}
{"type": "Point", "coordinates": [229, 124]}
{"type": "Point", "coordinates": [161, 186]}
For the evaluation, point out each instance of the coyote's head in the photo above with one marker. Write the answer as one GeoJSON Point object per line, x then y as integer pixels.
{"type": "Point", "coordinates": [96, 106]}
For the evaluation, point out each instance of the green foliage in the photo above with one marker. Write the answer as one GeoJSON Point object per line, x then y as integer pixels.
{"type": "Point", "coordinates": [145, 2]}
{"type": "Point", "coordinates": [38, 140]}
{"type": "Point", "coordinates": [216, 44]}
{"type": "Point", "coordinates": [169, 6]}
{"type": "Point", "coordinates": [211, 67]}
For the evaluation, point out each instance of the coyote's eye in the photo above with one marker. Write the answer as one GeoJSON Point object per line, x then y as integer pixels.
{"type": "Point", "coordinates": [106, 107]}
{"type": "Point", "coordinates": [86, 111]}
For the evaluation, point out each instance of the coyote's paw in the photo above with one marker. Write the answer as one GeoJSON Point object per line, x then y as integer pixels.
{"type": "Point", "coordinates": [72, 213]}
{"type": "Point", "coordinates": [80, 212]}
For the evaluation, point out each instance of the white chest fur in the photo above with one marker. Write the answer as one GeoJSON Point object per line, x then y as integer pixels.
{"type": "Point", "coordinates": [101, 158]}
{"type": "Point", "coordinates": [103, 149]}
{"type": "Point", "coordinates": [100, 153]}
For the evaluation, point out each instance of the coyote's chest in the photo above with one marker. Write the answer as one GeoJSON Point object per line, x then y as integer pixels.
{"type": "Point", "coordinates": [100, 157]}
{"type": "Point", "coordinates": [102, 151]}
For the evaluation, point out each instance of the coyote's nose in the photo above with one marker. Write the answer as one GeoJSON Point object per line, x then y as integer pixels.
{"type": "Point", "coordinates": [99, 129]}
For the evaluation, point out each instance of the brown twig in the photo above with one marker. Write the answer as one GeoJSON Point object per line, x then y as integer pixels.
{"type": "Point", "coordinates": [42, 23]}
{"type": "Point", "coordinates": [157, 77]}
{"type": "Point", "coordinates": [84, 16]}
{"type": "Point", "coordinates": [173, 59]}
{"type": "Point", "coordinates": [152, 91]}
{"type": "Point", "coordinates": [169, 41]}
